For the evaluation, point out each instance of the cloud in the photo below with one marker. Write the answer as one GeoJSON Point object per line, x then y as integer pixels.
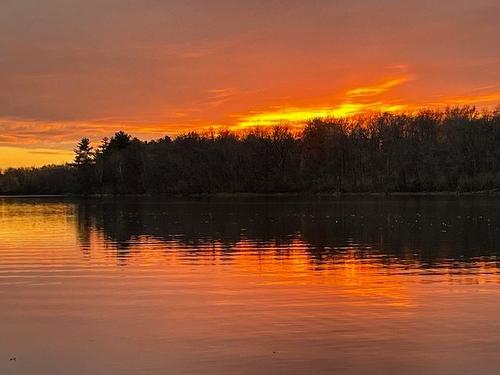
{"type": "Point", "coordinates": [369, 91]}
{"type": "Point", "coordinates": [48, 152]}
{"type": "Point", "coordinates": [364, 98]}
{"type": "Point", "coordinates": [352, 102]}
{"type": "Point", "coordinates": [298, 116]}
{"type": "Point", "coordinates": [218, 96]}
{"type": "Point", "coordinates": [493, 97]}
{"type": "Point", "coordinates": [88, 68]}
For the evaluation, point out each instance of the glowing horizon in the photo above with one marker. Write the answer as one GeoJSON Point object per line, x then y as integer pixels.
{"type": "Point", "coordinates": [28, 154]}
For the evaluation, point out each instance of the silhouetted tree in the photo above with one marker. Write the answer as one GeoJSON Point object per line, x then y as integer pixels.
{"type": "Point", "coordinates": [457, 149]}
{"type": "Point", "coordinates": [84, 162]}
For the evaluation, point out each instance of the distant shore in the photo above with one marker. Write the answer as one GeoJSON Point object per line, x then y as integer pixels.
{"type": "Point", "coordinates": [493, 192]}
{"type": "Point", "coordinates": [448, 152]}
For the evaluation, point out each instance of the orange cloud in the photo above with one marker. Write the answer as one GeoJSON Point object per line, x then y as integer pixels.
{"type": "Point", "coordinates": [19, 139]}
{"type": "Point", "coordinates": [475, 99]}
{"type": "Point", "coordinates": [377, 90]}
{"type": "Point", "coordinates": [300, 115]}
{"type": "Point", "coordinates": [351, 103]}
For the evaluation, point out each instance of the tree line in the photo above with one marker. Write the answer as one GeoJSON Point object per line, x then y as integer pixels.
{"type": "Point", "coordinates": [456, 149]}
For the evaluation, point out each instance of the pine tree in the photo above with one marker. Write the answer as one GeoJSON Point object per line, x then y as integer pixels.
{"type": "Point", "coordinates": [84, 153]}
{"type": "Point", "coordinates": [84, 163]}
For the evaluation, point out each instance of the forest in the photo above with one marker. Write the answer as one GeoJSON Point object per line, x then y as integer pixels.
{"type": "Point", "coordinates": [449, 150]}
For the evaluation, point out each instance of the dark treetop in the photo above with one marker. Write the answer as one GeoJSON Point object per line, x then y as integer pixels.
{"type": "Point", "coordinates": [455, 149]}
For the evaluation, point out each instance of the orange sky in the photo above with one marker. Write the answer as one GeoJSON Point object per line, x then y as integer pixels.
{"type": "Point", "coordinates": [72, 68]}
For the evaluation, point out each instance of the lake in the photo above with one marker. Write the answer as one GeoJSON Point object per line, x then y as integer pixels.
{"type": "Point", "coordinates": [250, 286]}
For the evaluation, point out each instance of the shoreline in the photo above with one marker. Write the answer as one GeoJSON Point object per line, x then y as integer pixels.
{"type": "Point", "coordinates": [492, 193]}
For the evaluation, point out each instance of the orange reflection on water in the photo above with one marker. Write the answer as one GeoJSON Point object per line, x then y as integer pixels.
{"type": "Point", "coordinates": [97, 289]}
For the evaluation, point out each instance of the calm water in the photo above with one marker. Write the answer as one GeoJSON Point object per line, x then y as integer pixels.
{"type": "Point", "coordinates": [258, 287]}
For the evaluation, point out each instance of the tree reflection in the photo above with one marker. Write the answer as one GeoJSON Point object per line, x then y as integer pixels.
{"type": "Point", "coordinates": [423, 231]}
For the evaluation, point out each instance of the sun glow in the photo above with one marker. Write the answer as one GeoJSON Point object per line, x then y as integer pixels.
{"type": "Point", "coordinates": [352, 102]}
{"type": "Point", "coordinates": [24, 144]}
{"type": "Point", "coordinates": [32, 157]}
{"type": "Point", "coordinates": [298, 116]}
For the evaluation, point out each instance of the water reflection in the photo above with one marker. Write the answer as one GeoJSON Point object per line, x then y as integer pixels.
{"type": "Point", "coordinates": [426, 232]}
{"type": "Point", "coordinates": [270, 287]}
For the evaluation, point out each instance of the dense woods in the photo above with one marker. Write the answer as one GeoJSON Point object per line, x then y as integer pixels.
{"type": "Point", "coordinates": [457, 149]}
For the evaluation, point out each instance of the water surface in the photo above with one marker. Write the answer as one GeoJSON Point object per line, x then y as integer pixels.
{"type": "Point", "coordinates": [249, 287]}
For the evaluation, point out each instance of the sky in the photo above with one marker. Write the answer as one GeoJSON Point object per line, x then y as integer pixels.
{"type": "Point", "coordinates": [75, 68]}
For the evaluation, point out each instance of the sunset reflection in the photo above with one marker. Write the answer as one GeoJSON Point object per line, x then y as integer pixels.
{"type": "Point", "coordinates": [239, 281]}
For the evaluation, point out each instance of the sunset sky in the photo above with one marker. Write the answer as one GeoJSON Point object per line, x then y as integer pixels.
{"type": "Point", "coordinates": [72, 68]}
